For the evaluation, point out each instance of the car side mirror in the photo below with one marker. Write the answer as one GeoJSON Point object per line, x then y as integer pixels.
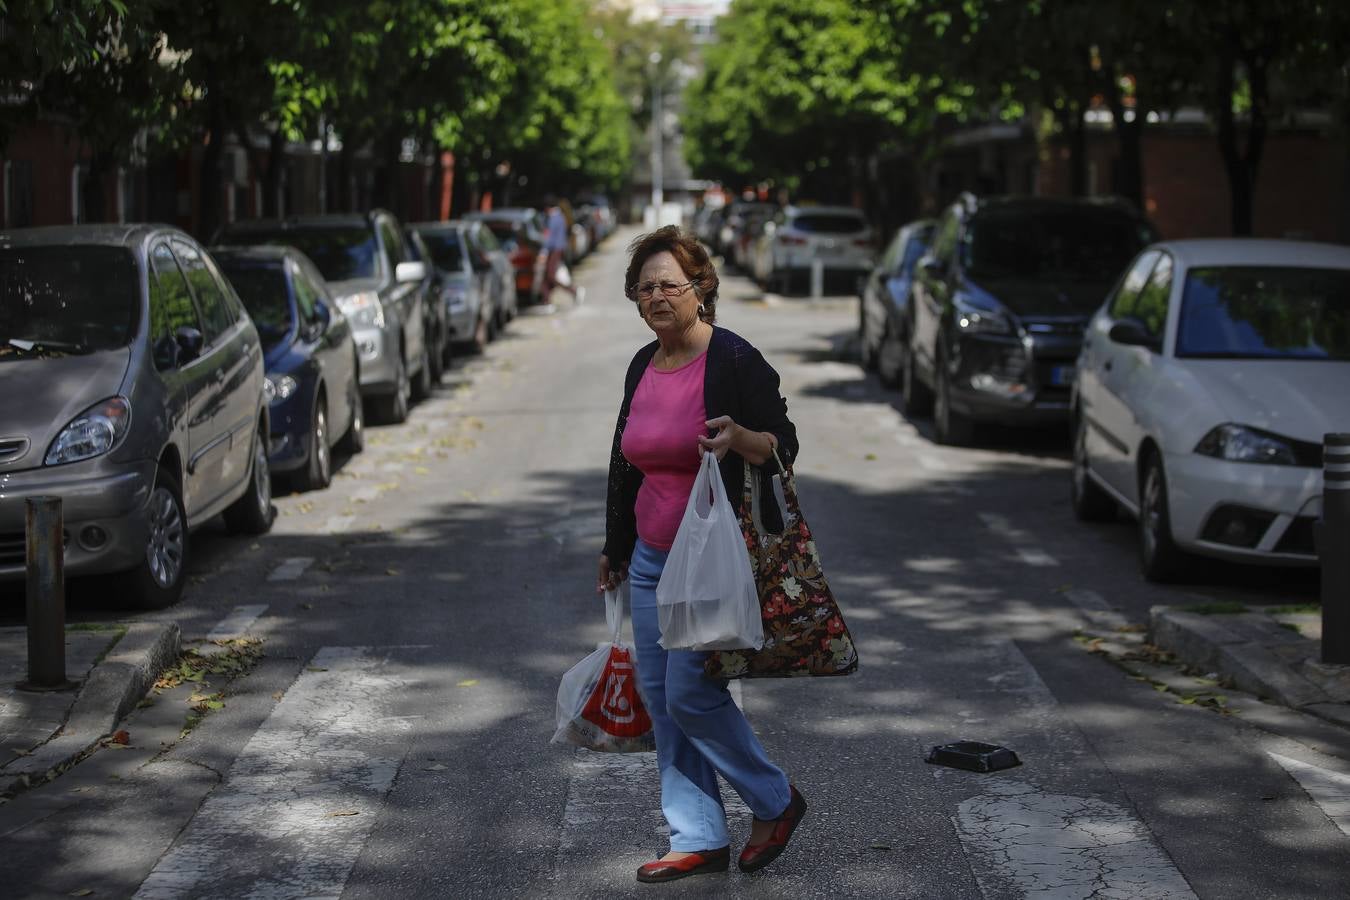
{"type": "Point", "coordinates": [323, 315]}
{"type": "Point", "coordinates": [406, 272]}
{"type": "Point", "coordinates": [932, 267]}
{"type": "Point", "coordinates": [190, 342]}
{"type": "Point", "coordinates": [1132, 333]}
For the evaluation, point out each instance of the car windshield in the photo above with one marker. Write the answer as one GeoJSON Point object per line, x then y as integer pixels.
{"type": "Point", "coordinates": [1056, 245]}
{"type": "Point", "coordinates": [262, 287]}
{"type": "Point", "coordinates": [1260, 312]}
{"type": "Point", "coordinates": [67, 299]}
{"type": "Point", "coordinates": [505, 232]}
{"type": "Point", "coordinates": [829, 223]}
{"type": "Point", "coordinates": [445, 249]}
{"type": "Point", "coordinates": [342, 254]}
{"type": "Point", "coordinates": [915, 249]}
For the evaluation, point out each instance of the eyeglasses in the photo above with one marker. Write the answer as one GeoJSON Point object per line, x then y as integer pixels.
{"type": "Point", "coordinates": [668, 289]}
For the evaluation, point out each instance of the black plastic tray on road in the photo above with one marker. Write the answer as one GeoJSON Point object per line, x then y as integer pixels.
{"type": "Point", "coordinates": [973, 756]}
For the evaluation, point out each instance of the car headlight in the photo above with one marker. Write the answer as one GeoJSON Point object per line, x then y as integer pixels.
{"type": "Point", "coordinates": [93, 433]}
{"type": "Point", "coordinates": [277, 388]}
{"type": "Point", "coordinates": [981, 319]}
{"type": "Point", "coordinates": [364, 309]}
{"type": "Point", "coordinates": [1239, 443]}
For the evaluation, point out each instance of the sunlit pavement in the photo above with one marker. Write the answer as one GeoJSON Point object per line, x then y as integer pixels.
{"type": "Point", "coordinates": [415, 619]}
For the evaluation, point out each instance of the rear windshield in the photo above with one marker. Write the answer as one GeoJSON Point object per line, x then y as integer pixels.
{"type": "Point", "coordinates": [262, 287]}
{"type": "Point", "coordinates": [1259, 312]}
{"type": "Point", "coordinates": [445, 248]}
{"type": "Point", "coordinates": [505, 232]}
{"type": "Point", "coordinates": [823, 223]}
{"type": "Point", "coordinates": [341, 254]}
{"type": "Point", "coordinates": [68, 299]}
{"type": "Point", "coordinates": [1065, 245]}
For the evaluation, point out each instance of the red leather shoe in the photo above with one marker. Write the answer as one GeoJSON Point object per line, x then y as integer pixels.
{"type": "Point", "coordinates": [756, 856]}
{"type": "Point", "coordinates": [703, 862]}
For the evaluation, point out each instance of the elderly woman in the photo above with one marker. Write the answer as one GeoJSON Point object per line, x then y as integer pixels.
{"type": "Point", "coordinates": [695, 388]}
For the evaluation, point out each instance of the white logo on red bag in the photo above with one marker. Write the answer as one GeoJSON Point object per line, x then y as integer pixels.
{"type": "Point", "coordinates": [616, 707]}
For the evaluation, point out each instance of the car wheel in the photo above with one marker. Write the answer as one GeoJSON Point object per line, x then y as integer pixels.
{"type": "Point", "coordinates": [436, 359]}
{"type": "Point", "coordinates": [1090, 502]}
{"type": "Point", "coordinates": [1159, 557]}
{"type": "Point", "coordinates": [916, 400]}
{"type": "Point", "coordinates": [421, 387]}
{"type": "Point", "coordinates": [157, 582]}
{"type": "Point", "coordinates": [354, 441]}
{"type": "Point", "coordinates": [395, 406]}
{"type": "Point", "coordinates": [253, 513]}
{"type": "Point", "coordinates": [867, 354]}
{"type": "Point", "coordinates": [951, 427]}
{"type": "Point", "coordinates": [890, 357]}
{"type": "Point", "coordinates": [318, 473]}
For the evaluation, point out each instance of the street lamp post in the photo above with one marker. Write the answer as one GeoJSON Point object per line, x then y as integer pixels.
{"type": "Point", "coordinates": [658, 191]}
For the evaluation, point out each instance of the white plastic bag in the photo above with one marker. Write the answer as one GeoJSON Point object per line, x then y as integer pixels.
{"type": "Point", "coordinates": [706, 598]}
{"type": "Point", "coordinates": [599, 704]}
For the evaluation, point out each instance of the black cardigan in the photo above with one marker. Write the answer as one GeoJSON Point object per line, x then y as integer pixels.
{"type": "Point", "coordinates": [737, 382]}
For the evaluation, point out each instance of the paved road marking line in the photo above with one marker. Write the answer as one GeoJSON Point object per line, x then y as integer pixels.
{"type": "Point", "coordinates": [291, 569]}
{"type": "Point", "coordinates": [1022, 541]}
{"type": "Point", "coordinates": [237, 623]}
{"type": "Point", "coordinates": [1057, 845]}
{"type": "Point", "coordinates": [1329, 790]}
{"type": "Point", "coordinates": [1095, 609]}
{"type": "Point", "coordinates": [300, 800]}
{"type": "Point", "coordinates": [1034, 557]}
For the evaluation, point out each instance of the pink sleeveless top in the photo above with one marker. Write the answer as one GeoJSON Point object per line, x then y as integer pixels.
{"type": "Point", "coordinates": [665, 421]}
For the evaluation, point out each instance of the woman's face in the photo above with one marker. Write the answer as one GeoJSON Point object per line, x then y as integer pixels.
{"type": "Point", "coordinates": [667, 315]}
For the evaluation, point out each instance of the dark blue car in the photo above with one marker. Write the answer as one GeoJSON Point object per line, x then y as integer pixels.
{"type": "Point", "coordinates": [884, 315]}
{"type": "Point", "coordinates": [313, 384]}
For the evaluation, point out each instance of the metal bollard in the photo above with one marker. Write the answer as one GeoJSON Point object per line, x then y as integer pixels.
{"type": "Point", "coordinates": [1333, 548]}
{"type": "Point", "coordinates": [817, 279]}
{"type": "Point", "coordinates": [46, 596]}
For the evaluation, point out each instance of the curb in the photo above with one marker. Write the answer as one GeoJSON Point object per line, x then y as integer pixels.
{"type": "Point", "coordinates": [1252, 665]}
{"type": "Point", "coordinates": [113, 688]}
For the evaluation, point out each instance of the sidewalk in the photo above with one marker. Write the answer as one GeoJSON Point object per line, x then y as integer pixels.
{"type": "Point", "coordinates": [1274, 653]}
{"type": "Point", "coordinates": [43, 732]}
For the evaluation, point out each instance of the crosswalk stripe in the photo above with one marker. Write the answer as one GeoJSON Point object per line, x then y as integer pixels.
{"type": "Point", "coordinates": [1329, 790]}
{"type": "Point", "coordinates": [297, 806]}
{"type": "Point", "coordinates": [237, 623]}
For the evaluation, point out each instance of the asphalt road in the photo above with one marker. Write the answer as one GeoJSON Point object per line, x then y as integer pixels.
{"type": "Point", "coordinates": [416, 617]}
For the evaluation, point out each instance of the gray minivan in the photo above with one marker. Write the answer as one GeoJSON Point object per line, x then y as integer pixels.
{"type": "Point", "coordinates": [131, 386]}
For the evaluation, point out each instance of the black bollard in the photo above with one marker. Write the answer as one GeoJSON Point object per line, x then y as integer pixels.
{"type": "Point", "coordinates": [46, 596]}
{"type": "Point", "coordinates": [1333, 548]}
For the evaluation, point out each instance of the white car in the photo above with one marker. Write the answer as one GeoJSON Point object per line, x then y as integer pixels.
{"type": "Point", "coordinates": [1205, 385]}
{"type": "Point", "coordinates": [838, 236]}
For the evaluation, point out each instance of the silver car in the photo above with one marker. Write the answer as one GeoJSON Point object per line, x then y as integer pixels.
{"type": "Point", "coordinates": [131, 386]}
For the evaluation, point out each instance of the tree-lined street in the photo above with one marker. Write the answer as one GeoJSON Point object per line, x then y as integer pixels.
{"type": "Point", "coordinates": [415, 619]}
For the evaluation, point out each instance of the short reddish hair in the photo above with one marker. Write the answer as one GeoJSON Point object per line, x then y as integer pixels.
{"type": "Point", "coordinates": [691, 256]}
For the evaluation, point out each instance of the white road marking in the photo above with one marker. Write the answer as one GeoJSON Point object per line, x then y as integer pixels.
{"type": "Point", "coordinates": [1095, 609]}
{"type": "Point", "coordinates": [291, 569]}
{"type": "Point", "coordinates": [1061, 846]}
{"type": "Point", "coordinates": [1329, 790]}
{"type": "Point", "coordinates": [297, 806]}
{"type": "Point", "coordinates": [1022, 541]}
{"type": "Point", "coordinates": [237, 623]}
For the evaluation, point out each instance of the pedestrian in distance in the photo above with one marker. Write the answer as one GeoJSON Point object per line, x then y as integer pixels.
{"type": "Point", "coordinates": [556, 236]}
{"type": "Point", "coordinates": [696, 388]}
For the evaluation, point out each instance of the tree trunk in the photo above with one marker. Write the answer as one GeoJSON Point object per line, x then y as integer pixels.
{"type": "Point", "coordinates": [1238, 166]}
{"type": "Point", "coordinates": [386, 190]}
{"type": "Point", "coordinates": [276, 161]}
{"type": "Point", "coordinates": [346, 189]}
{"type": "Point", "coordinates": [1071, 120]}
{"type": "Point", "coordinates": [208, 205]}
{"type": "Point", "coordinates": [1129, 136]}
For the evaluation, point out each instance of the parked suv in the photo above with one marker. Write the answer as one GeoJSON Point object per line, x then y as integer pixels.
{"type": "Point", "coordinates": [837, 238]}
{"type": "Point", "coordinates": [1000, 303]}
{"type": "Point", "coordinates": [379, 287]}
{"type": "Point", "coordinates": [131, 386]}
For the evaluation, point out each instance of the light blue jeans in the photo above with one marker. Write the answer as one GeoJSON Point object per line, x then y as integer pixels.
{"type": "Point", "coordinates": [700, 731]}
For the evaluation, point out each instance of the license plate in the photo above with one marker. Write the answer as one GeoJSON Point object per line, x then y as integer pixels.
{"type": "Point", "coordinates": [1061, 376]}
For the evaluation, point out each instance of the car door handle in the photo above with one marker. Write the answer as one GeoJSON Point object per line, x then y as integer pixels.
{"type": "Point", "coordinates": [1108, 365]}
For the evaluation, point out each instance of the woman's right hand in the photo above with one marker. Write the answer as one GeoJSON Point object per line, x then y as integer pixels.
{"type": "Point", "coordinates": [609, 578]}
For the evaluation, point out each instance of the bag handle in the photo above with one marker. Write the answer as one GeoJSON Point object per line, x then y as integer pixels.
{"type": "Point", "coordinates": [614, 601]}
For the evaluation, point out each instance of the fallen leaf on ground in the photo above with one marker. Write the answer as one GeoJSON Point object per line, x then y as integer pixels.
{"type": "Point", "coordinates": [391, 571]}
{"type": "Point", "coordinates": [82, 892]}
{"type": "Point", "coordinates": [344, 812]}
{"type": "Point", "coordinates": [277, 695]}
{"type": "Point", "coordinates": [121, 737]}
{"type": "Point", "coordinates": [468, 682]}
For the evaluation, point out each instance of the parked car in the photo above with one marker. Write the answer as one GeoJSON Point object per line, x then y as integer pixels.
{"type": "Point", "coordinates": [749, 227]}
{"type": "Point", "coordinates": [1205, 385]}
{"type": "Point", "coordinates": [378, 286]}
{"type": "Point", "coordinates": [313, 373]}
{"type": "Point", "coordinates": [131, 386]}
{"type": "Point", "coordinates": [738, 214]}
{"type": "Point", "coordinates": [505, 300]}
{"type": "Point", "coordinates": [466, 279]}
{"type": "Point", "coordinates": [799, 236]}
{"type": "Point", "coordinates": [521, 233]}
{"type": "Point", "coordinates": [436, 327]}
{"type": "Point", "coordinates": [1000, 302]}
{"type": "Point", "coordinates": [883, 307]}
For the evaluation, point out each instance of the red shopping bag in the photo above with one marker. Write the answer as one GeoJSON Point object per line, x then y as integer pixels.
{"type": "Point", "coordinates": [599, 704]}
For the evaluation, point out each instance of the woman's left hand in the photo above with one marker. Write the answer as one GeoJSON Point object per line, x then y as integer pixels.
{"type": "Point", "coordinates": [721, 442]}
